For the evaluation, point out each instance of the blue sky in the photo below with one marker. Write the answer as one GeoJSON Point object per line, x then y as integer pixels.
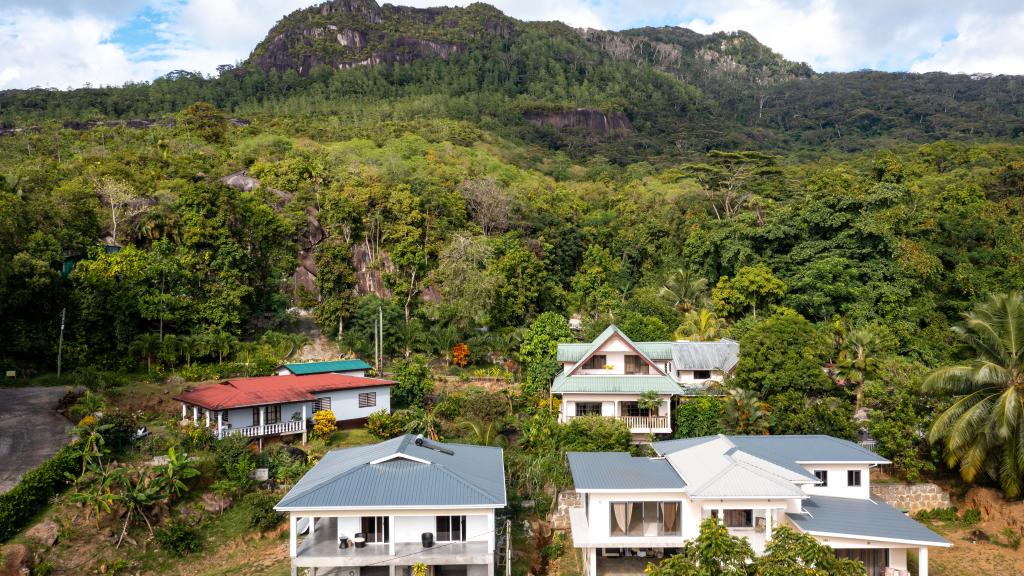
{"type": "Point", "coordinates": [71, 43]}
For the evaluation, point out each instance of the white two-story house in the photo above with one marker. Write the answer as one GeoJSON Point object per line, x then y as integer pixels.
{"type": "Point", "coordinates": [607, 376]}
{"type": "Point", "coordinates": [377, 510]}
{"type": "Point", "coordinates": [646, 508]}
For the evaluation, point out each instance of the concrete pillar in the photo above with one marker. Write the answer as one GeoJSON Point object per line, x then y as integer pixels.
{"type": "Point", "coordinates": [263, 415]}
{"type": "Point", "coordinates": [591, 561]}
{"type": "Point", "coordinates": [391, 533]}
{"type": "Point", "coordinates": [767, 525]}
{"type": "Point", "coordinates": [220, 421]}
{"type": "Point", "coordinates": [490, 535]}
{"type": "Point", "coordinates": [922, 561]}
{"type": "Point", "coordinates": [312, 529]}
{"type": "Point", "coordinates": [293, 535]}
{"type": "Point", "coordinates": [184, 411]}
{"type": "Point", "coordinates": [195, 414]}
{"type": "Point", "coordinates": [303, 423]}
{"type": "Point", "coordinates": [207, 418]}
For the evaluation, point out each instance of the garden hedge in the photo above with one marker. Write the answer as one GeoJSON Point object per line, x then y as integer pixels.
{"type": "Point", "coordinates": [25, 500]}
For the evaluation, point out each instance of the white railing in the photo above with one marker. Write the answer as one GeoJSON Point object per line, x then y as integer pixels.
{"type": "Point", "coordinates": [276, 429]}
{"type": "Point", "coordinates": [645, 422]}
{"type": "Point", "coordinates": [638, 422]}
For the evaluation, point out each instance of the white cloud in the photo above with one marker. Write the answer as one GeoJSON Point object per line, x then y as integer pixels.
{"type": "Point", "coordinates": [993, 46]}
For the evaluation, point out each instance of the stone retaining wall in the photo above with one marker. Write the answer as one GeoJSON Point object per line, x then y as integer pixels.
{"type": "Point", "coordinates": [912, 497]}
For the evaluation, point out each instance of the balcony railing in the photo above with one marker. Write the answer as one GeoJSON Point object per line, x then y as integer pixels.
{"type": "Point", "coordinates": [640, 422]}
{"type": "Point", "coordinates": [276, 429]}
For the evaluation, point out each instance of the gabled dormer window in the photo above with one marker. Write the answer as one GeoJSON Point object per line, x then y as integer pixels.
{"type": "Point", "coordinates": [596, 362]}
{"type": "Point", "coordinates": [637, 365]}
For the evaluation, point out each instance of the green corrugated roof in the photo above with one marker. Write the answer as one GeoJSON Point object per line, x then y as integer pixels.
{"type": "Point", "coordinates": [325, 367]}
{"type": "Point", "coordinates": [634, 384]}
{"type": "Point", "coordinates": [574, 352]}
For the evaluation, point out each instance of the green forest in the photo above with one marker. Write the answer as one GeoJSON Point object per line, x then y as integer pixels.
{"type": "Point", "coordinates": [844, 221]}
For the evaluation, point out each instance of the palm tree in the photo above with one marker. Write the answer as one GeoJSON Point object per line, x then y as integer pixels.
{"type": "Point", "coordinates": [483, 433]}
{"type": "Point", "coordinates": [420, 421]}
{"type": "Point", "coordinates": [684, 289]}
{"type": "Point", "coordinates": [982, 430]}
{"type": "Point", "coordinates": [856, 363]}
{"type": "Point", "coordinates": [145, 347]}
{"type": "Point", "coordinates": [222, 343]}
{"type": "Point", "coordinates": [745, 413]}
{"type": "Point", "coordinates": [649, 401]}
{"type": "Point", "coordinates": [699, 325]}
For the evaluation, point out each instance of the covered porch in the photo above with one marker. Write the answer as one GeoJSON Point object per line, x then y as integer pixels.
{"type": "Point", "coordinates": [219, 422]}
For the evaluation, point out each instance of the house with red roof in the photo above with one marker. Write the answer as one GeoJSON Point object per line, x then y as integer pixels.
{"type": "Point", "coordinates": [281, 405]}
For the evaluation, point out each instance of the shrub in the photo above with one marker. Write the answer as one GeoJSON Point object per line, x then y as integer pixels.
{"type": "Point", "coordinates": [121, 431]}
{"type": "Point", "coordinates": [21, 503]}
{"type": "Point", "coordinates": [262, 515]}
{"type": "Point", "coordinates": [234, 459]}
{"type": "Point", "coordinates": [595, 434]}
{"type": "Point", "coordinates": [179, 537]}
{"type": "Point", "coordinates": [700, 416]}
{"type": "Point", "coordinates": [324, 423]}
{"type": "Point", "coordinates": [485, 406]}
{"type": "Point", "coordinates": [384, 425]}
{"type": "Point", "coordinates": [1010, 538]}
{"type": "Point", "coordinates": [460, 355]}
{"type": "Point", "coordinates": [415, 381]}
{"type": "Point", "coordinates": [971, 517]}
{"type": "Point", "coordinates": [195, 438]}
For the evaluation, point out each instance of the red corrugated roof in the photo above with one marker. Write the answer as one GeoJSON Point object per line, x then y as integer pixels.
{"type": "Point", "coordinates": [242, 392]}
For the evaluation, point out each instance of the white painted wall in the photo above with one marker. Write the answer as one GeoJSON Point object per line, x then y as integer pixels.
{"type": "Point", "coordinates": [837, 481]}
{"type": "Point", "coordinates": [409, 525]}
{"type": "Point", "coordinates": [345, 403]}
{"type": "Point", "coordinates": [686, 376]}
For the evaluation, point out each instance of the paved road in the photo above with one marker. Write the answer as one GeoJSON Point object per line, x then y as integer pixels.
{"type": "Point", "coordinates": [31, 430]}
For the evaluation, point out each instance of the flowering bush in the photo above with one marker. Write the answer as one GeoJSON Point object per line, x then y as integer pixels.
{"type": "Point", "coordinates": [87, 421]}
{"type": "Point", "coordinates": [324, 423]}
{"type": "Point", "coordinates": [460, 355]}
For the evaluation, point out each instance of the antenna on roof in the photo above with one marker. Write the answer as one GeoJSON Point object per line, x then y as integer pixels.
{"type": "Point", "coordinates": [423, 443]}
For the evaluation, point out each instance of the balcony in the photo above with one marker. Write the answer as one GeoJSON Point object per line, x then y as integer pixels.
{"type": "Point", "coordinates": [322, 550]}
{"type": "Point", "coordinates": [275, 429]}
{"type": "Point", "coordinates": [641, 424]}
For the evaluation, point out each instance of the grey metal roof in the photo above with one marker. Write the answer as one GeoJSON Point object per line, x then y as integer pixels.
{"type": "Point", "coordinates": [615, 384]}
{"type": "Point", "coordinates": [619, 470]}
{"type": "Point", "coordinates": [787, 451]}
{"type": "Point", "coordinates": [407, 475]}
{"type": "Point", "coordinates": [715, 355]}
{"type": "Point", "coordinates": [864, 518]}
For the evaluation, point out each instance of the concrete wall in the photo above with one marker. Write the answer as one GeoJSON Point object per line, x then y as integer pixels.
{"type": "Point", "coordinates": [837, 478]}
{"type": "Point", "coordinates": [345, 403]}
{"type": "Point", "coordinates": [912, 497]}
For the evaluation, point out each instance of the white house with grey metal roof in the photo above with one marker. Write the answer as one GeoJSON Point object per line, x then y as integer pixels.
{"type": "Point", "coordinates": [377, 510]}
{"type": "Point", "coordinates": [607, 376]}
{"type": "Point", "coordinates": [638, 507]}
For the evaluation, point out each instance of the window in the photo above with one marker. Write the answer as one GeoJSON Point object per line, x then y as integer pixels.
{"type": "Point", "coordinates": [822, 475]}
{"type": "Point", "coordinates": [596, 362]}
{"type": "Point", "coordinates": [376, 529]}
{"type": "Point", "coordinates": [853, 477]}
{"type": "Point", "coordinates": [637, 365]}
{"type": "Point", "coordinates": [225, 417]}
{"type": "Point", "coordinates": [451, 528]}
{"type": "Point", "coordinates": [273, 414]}
{"type": "Point", "coordinates": [702, 374]}
{"type": "Point", "coordinates": [633, 409]}
{"type": "Point", "coordinates": [321, 404]}
{"type": "Point", "coordinates": [588, 408]}
{"type": "Point", "coordinates": [367, 399]}
{"type": "Point", "coordinates": [739, 518]}
{"type": "Point", "coordinates": [646, 519]}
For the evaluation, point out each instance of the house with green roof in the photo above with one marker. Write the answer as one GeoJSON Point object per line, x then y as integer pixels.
{"type": "Point", "coordinates": [607, 377]}
{"type": "Point", "coordinates": [351, 367]}
{"type": "Point", "coordinates": [379, 509]}
{"type": "Point", "coordinates": [634, 510]}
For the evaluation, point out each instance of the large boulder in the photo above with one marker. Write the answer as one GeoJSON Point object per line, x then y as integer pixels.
{"type": "Point", "coordinates": [17, 560]}
{"type": "Point", "coordinates": [46, 533]}
{"type": "Point", "coordinates": [213, 502]}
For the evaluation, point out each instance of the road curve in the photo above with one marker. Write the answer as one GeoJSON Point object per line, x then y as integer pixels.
{"type": "Point", "coordinates": [31, 430]}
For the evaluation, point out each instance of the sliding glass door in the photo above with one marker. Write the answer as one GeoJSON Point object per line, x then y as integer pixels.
{"type": "Point", "coordinates": [646, 518]}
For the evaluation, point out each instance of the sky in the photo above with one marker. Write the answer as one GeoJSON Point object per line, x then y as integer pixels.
{"type": "Point", "coordinates": [73, 43]}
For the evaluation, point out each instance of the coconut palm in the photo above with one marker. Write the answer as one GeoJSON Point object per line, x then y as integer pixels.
{"type": "Point", "coordinates": [145, 347]}
{"type": "Point", "coordinates": [856, 361]}
{"type": "Point", "coordinates": [982, 431]}
{"type": "Point", "coordinates": [745, 413]}
{"type": "Point", "coordinates": [482, 433]}
{"type": "Point", "coordinates": [699, 325]}
{"type": "Point", "coordinates": [684, 289]}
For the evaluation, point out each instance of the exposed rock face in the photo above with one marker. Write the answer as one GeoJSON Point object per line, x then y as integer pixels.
{"type": "Point", "coordinates": [995, 508]}
{"type": "Point", "coordinates": [583, 119]}
{"type": "Point", "coordinates": [240, 181]}
{"type": "Point", "coordinates": [45, 533]}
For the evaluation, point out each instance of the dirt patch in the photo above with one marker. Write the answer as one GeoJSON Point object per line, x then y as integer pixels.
{"type": "Point", "coordinates": [31, 430]}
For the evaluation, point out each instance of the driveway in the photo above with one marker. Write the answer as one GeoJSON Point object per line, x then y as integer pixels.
{"type": "Point", "coordinates": [31, 430]}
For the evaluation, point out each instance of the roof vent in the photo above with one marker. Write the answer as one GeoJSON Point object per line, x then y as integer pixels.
{"type": "Point", "coordinates": [423, 443]}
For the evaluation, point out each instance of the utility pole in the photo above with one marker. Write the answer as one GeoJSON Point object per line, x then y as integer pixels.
{"type": "Point", "coordinates": [380, 340]}
{"type": "Point", "coordinates": [60, 345]}
{"type": "Point", "coordinates": [508, 547]}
